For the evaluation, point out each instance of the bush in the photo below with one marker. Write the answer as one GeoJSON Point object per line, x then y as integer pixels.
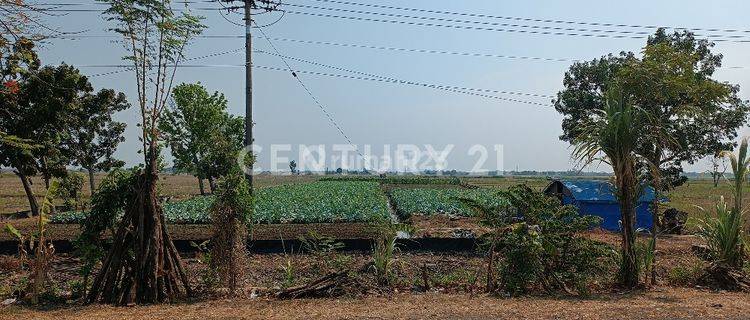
{"type": "Point", "coordinates": [724, 235]}
{"type": "Point", "coordinates": [538, 247]}
{"type": "Point", "coordinates": [116, 191]}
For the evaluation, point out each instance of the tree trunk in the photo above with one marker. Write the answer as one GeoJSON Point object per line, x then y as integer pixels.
{"type": "Point", "coordinates": [33, 203]}
{"type": "Point", "coordinates": [92, 185]}
{"type": "Point", "coordinates": [657, 185]}
{"type": "Point", "coordinates": [626, 182]}
{"type": "Point", "coordinates": [200, 185]}
{"type": "Point", "coordinates": [212, 184]}
{"type": "Point", "coordinates": [143, 265]}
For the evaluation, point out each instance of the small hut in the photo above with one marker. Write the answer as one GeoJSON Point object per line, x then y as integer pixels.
{"type": "Point", "coordinates": [596, 198]}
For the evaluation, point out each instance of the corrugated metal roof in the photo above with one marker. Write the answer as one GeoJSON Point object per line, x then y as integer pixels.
{"type": "Point", "coordinates": [599, 190]}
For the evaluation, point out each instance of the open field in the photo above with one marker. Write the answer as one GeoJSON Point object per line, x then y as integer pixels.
{"type": "Point", "coordinates": [688, 197]}
{"type": "Point", "coordinates": [13, 198]}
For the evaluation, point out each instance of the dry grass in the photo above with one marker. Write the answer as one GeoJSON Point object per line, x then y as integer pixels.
{"type": "Point", "coordinates": [657, 304]}
{"type": "Point", "coordinates": [13, 198]}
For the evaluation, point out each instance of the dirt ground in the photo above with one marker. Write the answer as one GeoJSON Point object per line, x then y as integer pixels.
{"type": "Point", "coordinates": [660, 303]}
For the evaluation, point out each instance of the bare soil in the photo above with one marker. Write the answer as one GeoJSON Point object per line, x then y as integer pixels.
{"type": "Point", "coordinates": [661, 303]}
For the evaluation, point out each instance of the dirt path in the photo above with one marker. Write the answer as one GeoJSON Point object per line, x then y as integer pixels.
{"type": "Point", "coordinates": [668, 303]}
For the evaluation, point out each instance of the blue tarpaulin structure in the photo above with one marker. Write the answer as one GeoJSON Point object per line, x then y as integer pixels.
{"type": "Point", "coordinates": [596, 198]}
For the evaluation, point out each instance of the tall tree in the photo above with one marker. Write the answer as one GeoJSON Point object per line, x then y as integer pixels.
{"type": "Point", "coordinates": [615, 133]}
{"type": "Point", "coordinates": [38, 110]}
{"type": "Point", "coordinates": [191, 126]}
{"type": "Point", "coordinates": [143, 265]}
{"type": "Point", "coordinates": [94, 136]}
{"type": "Point", "coordinates": [691, 115]}
{"type": "Point", "coordinates": [673, 82]}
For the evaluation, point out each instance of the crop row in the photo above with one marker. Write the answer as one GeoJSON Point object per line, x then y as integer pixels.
{"type": "Point", "coordinates": [316, 202]}
{"type": "Point", "coordinates": [398, 179]}
{"type": "Point", "coordinates": [425, 201]}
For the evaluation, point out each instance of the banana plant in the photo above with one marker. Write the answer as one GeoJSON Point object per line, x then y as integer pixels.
{"type": "Point", "coordinates": [37, 242]}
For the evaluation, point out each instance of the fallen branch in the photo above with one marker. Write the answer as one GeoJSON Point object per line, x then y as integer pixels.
{"type": "Point", "coordinates": [332, 284]}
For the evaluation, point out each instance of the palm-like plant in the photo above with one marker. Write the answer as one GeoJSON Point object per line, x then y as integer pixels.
{"type": "Point", "coordinates": [723, 235]}
{"type": "Point", "coordinates": [616, 133]}
{"type": "Point", "coordinates": [723, 232]}
{"type": "Point", "coordinates": [740, 168]}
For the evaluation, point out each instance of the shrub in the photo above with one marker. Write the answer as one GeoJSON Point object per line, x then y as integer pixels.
{"type": "Point", "coordinates": [537, 245]}
{"type": "Point", "coordinates": [116, 191]}
{"type": "Point", "coordinates": [229, 216]}
{"type": "Point", "coordinates": [384, 249]}
{"type": "Point", "coordinates": [723, 234]}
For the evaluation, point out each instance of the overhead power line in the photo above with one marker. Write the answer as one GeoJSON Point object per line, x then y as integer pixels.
{"type": "Point", "coordinates": [456, 89]}
{"type": "Point", "coordinates": [490, 23]}
{"type": "Point", "coordinates": [334, 75]}
{"type": "Point", "coordinates": [507, 27]}
{"type": "Point", "coordinates": [479, 28]}
{"type": "Point", "coordinates": [527, 19]}
{"type": "Point", "coordinates": [313, 97]}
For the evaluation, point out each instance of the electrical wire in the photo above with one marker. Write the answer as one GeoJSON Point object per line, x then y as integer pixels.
{"type": "Point", "coordinates": [314, 98]}
{"type": "Point", "coordinates": [516, 18]}
{"type": "Point", "coordinates": [477, 28]}
{"type": "Point", "coordinates": [463, 90]}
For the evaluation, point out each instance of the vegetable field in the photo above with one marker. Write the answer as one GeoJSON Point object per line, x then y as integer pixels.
{"type": "Point", "coordinates": [442, 201]}
{"type": "Point", "coordinates": [316, 202]}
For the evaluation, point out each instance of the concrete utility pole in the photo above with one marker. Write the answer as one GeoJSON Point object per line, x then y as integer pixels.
{"type": "Point", "coordinates": [248, 89]}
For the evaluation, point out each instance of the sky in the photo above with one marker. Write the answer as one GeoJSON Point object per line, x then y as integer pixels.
{"type": "Point", "coordinates": [388, 114]}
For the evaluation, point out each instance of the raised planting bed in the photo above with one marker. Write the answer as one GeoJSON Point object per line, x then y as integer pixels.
{"type": "Point", "coordinates": [445, 201]}
{"type": "Point", "coordinates": [316, 202]}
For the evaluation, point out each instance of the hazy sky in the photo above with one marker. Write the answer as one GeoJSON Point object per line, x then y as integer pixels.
{"type": "Point", "coordinates": [377, 113]}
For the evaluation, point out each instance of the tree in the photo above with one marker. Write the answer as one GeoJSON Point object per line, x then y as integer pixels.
{"type": "Point", "coordinates": [293, 166]}
{"type": "Point", "coordinates": [39, 111]}
{"type": "Point", "coordinates": [672, 82]}
{"type": "Point", "coordinates": [691, 115]}
{"type": "Point", "coordinates": [616, 133]}
{"type": "Point", "coordinates": [143, 265]}
{"type": "Point", "coordinates": [93, 138]}
{"type": "Point", "coordinates": [718, 168]}
{"type": "Point", "coordinates": [191, 126]}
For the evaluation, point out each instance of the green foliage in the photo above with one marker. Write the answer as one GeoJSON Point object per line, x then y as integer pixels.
{"type": "Point", "coordinates": [685, 275]}
{"type": "Point", "coordinates": [646, 252]}
{"type": "Point", "coordinates": [331, 201]}
{"type": "Point", "coordinates": [722, 230]}
{"type": "Point", "coordinates": [43, 249]}
{"type": "Point", "coordinates": [319, 244]}
{"type": "Point", "coordinates": [384, 249]}
{"type": "Point", "coordinates": [426, 201]}
{"type": "Point", "coordinates": [317, 202]}
{"type": "Point", "coordinates": [537, 243]}
{"type": "Point", "coordinates": [208, 275]}
{"type": "Point", "coordinates": [94, 134]}
{"type": "Point", "coordinates": [672, 82]}
{"type": "Point", "coordinates": [616, 133]}
{"type": "Point", "coordinates": [198, 130]}
{"type": "Point", "coordinates": [71, 189]}
{"type": "Point", "coordinates": [397, 179]}
{"type": "Point", "coordinates": [325, 249]}
{"type": "Point", "coordinates": [116, 191]}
